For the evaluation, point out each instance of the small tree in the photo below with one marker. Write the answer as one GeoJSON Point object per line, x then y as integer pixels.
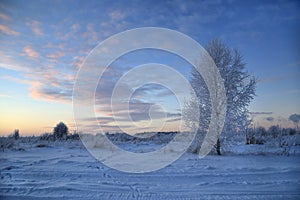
{"type": "Point", "coordinates": [60, 131]}
{"type": "Point", "coordinates": [274, 131]}
{"type": "Point", "coordinates": [256, 135]}
{"type": "Point", "coordinates": [16, 134]}
{"type": "Point", "coordinates": [295, 118]}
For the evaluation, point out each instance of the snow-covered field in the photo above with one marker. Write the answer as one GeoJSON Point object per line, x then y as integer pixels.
{"type": "Point", "coordinates": [68, 171]}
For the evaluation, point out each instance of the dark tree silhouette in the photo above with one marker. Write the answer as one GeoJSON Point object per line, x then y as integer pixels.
{"type": "Point", "coordinates": [16, 134]}
{"type": "Point", "coordinates": [60, 131]}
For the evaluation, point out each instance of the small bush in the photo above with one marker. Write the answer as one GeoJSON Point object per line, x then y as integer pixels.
{"type": "Point", "coordinates": [74, 136]}
{"type": "Point", "coordinates": [60, 131]}
{"type": "Point", "coordinates": [47, 136]}
{"type": "Point", "coordinates": [16, 134]}
{"type": "Point", "coordinates": [41, 145]}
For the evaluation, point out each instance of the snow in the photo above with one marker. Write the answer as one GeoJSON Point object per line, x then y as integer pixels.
{"type": "Point", "coordinates": [65, 170]}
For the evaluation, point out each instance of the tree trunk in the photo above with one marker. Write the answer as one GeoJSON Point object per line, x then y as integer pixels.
{"type": "Point", "coordinates": [218, 147]}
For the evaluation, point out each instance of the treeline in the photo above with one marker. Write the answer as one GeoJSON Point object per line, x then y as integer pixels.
{"type": "Point", "coordinates": [60, 132]}
{"type": "Point", "coordinates": [274, 134]}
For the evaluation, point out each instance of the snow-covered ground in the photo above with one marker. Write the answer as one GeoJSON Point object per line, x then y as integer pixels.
{"type": "Point", "coordinates": [68, 171]}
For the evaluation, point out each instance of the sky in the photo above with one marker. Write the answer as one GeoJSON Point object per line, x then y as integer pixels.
{"type": "Point", "coordinates": [43, 44]}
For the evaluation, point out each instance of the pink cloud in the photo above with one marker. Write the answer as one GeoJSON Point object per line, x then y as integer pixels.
{"type": "Point", "coordinates": [31, 52]}
{"type": "Point", "coordinates": [75, 27]}
{"type": "Point", "coordinates": [7, 62]}
{"type": "Point", "coordinates": [116, 15]}
{"type": "Point", "coordinates": [52, 85]}
{"type": "Point", "coordinates": [14, 66]}
{"type": "Point", "coordinates": [35, 27]}
{"type": "Point", "coordinates": [37, 91]}
{"type": "Point", "coordinates": [78, 61]}
{"type": "Point", "coordinates": [18, 80]}
{"type": "Point", "coordinates": [4, 17]}
{"type": "Point", "coordinates": [91, 34]}
{"type": "Point", "coordinates": [8, 31]}
{"type": "Point", "coordinates": [41, 90]}
{"type": "Point", "coordinates": [56, 56]}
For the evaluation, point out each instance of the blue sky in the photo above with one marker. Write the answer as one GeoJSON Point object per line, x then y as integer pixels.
{"type": "Point", "coordinates": [43, 44]}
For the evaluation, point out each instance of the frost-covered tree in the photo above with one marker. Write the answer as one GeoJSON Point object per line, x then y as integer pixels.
{"type": "Point", "coordinates": [60, 131]}
{"type": "Point", "coordinates": [295, 118]}
{"type": "Point", "coordinates": [274, 131]}
{"type": "Point", "coordinates": [256, 135]}
{"type": "Point", "coordinates": [239, 87]}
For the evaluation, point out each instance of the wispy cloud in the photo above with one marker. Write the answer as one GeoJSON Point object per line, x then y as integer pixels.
{"type": "Point", "coordinates": [260, 113]}
{"type": "Point", "coordinates": [177, 119]}
{"type": "Point", "coordinates": [8, 31]}
{"type": "Point", "coordinates": [75, 27]}
{"type": "Point", "coordinates": [49, 93]}
{"type": "Point", "coordinates": [5, 96]}
{"type": "Point", "coordinates": [4, 17]}
{"type": "Point", "coordinates": [270, 119]}
{"type": "Point", "coordinates": [78, 61]}
{"type": "Point", "coordinates": [47, 85]}
{"type": "Point", "coordinates": [279, 78]}
{"type": "Point", "coordinates": [36, 27]}
{"type": "Point", "coordinates": [53, 86]}
{"type": "Point", "coordinates": [116, 15]}
{"type": "Point", "coordinates": [91, 34]}
{"type": "Point", "coordinates": [18, 80]}
{"type": "Point", "coordinates": [8, 62]}
{"type": "Point", "coordinates": [56, 56]}
{"type": "Point", "coordinates": [15, 67]}
{"type": "Point", "coordinates": [295, 91]}
{"type": "Point", "coordinates": [30, 52]}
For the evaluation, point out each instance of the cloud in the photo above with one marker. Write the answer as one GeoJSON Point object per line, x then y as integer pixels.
{"type": "Point", "coordinates": [75, 27]}
{"type": "Point", "coordinates": [4, 17]}
{"type": "Point", "coordinates": [174, 119]}
{"type": "Point", "coordinates": [14, 67]}
{"type": "Point", "coordinates": [153, 89]}
{"type": "Point", "coordinates": [18, 80]}
{"type": "Point", "coordinates": [295, 91]}
{"type": "Point", "coordinates": [8, 31]}
{"type": "Point", "coordinates": [91, 34]}
{"type": "Point", "coordinates": [77, 61]}
{"type": "Point", "coordinates": [138, 111]}
{"type": "Point", "coordinates": [53, 86]}
{"type": "Point", "coordinates": [36, 27]}
{"type": "Point", "coordinates": [147, 107]}
{"type": "Point", "coordinates": [278, 78]}
{"type": "Point", "coordinates": [260, 113]}
{"type": "Point", "coordinates": [5, 96]}
{"type": "Point", "coordinates": [48, 84]}
{"type": "Point", "coordinates": [99, 119]}
{"type": "Point", "coordinates": [170, 115]}
{"type": "Point", "coordinates": [30, 52]}
{"type": "Point", "coordinates": [8, 62]}
{"type": "Point", "coordinates": [270, 119]}
{"type": "Point", "coordinates": [56, 56]}
{"type": "Point", "coordinates": [40, 91]}
{"type": "Point", "coordinates": [116, 15]}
